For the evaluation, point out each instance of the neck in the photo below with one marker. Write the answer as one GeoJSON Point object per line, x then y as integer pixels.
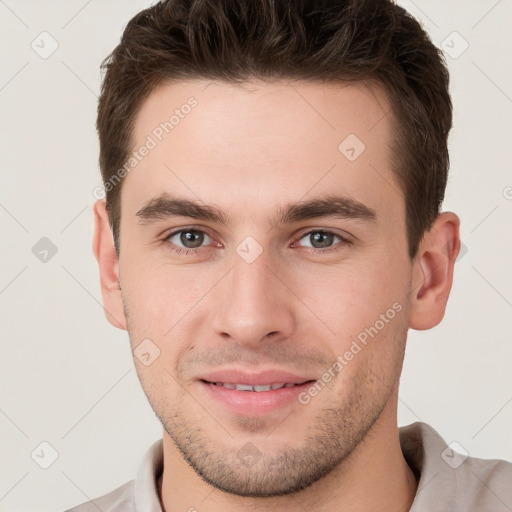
{"type": "Point", "coordinates": [375, 476]}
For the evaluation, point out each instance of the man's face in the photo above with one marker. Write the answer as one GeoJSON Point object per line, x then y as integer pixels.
{"type": "Point", "coordinates": [258, 291]}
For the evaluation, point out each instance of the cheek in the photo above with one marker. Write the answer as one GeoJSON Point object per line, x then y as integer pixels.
{"type": "Point", "coordinates": [160, 295]}
{"type": "Point", "coordinates": [351, 298]}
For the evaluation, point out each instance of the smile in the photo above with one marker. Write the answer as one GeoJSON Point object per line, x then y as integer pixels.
{"type": "Point", "coordinates": [259, 388]}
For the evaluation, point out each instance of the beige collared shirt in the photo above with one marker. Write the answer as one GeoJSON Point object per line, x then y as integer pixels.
{"type": "Point", "coordinates": [448, 481]}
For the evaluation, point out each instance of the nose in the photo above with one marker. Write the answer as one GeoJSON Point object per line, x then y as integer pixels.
{"type": "Point", "coordinates": [254, 304]}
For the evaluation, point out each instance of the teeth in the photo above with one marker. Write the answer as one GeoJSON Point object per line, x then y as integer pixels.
{"type": "Point", "coordinates": [259, 388]}
{"type": "Point", "coordinates": [265, 387]}
{"type": "Point", "coordinates": [243, 387]}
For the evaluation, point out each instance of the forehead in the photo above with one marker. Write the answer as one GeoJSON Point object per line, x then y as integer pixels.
{"type": "Point", "coordinates": [281, 139]}
{"type": "Point", "coordinates": [319, 110]}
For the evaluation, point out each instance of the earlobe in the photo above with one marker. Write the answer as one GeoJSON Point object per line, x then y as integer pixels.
{"type": "Point", "coordinates": [105, 254]}
{"type": "Point", "coordinates": [433, 272]}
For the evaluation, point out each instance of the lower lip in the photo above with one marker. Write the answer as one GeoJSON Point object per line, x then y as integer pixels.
{"type": "Point", "coordinates": [254, 402]}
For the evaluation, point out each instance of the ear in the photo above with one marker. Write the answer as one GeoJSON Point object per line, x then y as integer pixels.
{"type": "Point", "coordinates": [433, 272]}
{"type": "Point", "coordinates": [105, 253]}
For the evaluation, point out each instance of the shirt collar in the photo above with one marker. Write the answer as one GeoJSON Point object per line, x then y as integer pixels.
{"type": "Point", "coordinates": [145, 493]}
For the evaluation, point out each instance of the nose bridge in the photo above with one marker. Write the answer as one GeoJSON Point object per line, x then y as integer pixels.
{"type": "Point", "coordinates": [251, 280]}
{"type": "Point", "coordinates": [253, 301]}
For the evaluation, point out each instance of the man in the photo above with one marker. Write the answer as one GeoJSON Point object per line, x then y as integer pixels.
{"type": "Point", "coordinates": [274, 173]}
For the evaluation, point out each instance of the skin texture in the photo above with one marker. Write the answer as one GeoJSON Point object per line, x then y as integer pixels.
{"type": "Point", "coordinates": [249, 151]}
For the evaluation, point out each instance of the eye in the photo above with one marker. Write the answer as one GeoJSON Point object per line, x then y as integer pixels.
{"type": "Point", "coordinates": [191, 241]}
{"type": "Point", "coordinates": [187, 239]}
{"type": "Point", "coordinates": [322, 240]}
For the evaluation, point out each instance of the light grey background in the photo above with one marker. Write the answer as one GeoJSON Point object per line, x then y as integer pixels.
{"type": "Point", "coordinates": [67, 376]}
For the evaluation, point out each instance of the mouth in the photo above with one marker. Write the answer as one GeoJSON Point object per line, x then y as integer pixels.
{"type": "Point", "coordinates": [256, 394]}
{"type": "Point", "coordinates": [258, 388]}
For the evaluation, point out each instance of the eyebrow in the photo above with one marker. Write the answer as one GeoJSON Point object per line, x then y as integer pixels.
{"type": "Point", "coordinates": [166, 206]}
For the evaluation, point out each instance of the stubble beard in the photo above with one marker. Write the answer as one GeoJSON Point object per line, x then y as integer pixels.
{"type": "Point", "coordinates": [249, 470]}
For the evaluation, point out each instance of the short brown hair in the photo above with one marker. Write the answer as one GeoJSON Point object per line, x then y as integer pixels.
{"type": "Point", "coordinates": [317, 40]}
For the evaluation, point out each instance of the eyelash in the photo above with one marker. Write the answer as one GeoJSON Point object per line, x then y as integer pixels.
{"type": "Point", "coordinates": [186, 251]}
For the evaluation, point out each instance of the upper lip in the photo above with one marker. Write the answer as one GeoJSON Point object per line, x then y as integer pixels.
{"type": "Point", "coordinates": [254, 379]}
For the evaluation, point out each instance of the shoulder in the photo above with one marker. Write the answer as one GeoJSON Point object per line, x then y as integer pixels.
{"type": "Point", "coordinates": [118, 500]}
{"type": "Point", "coordinates": [450, 479]}
{"type": "Point", "coordinates": [136, 495]}
{"type": "Point", "coordinates": [491, 481]}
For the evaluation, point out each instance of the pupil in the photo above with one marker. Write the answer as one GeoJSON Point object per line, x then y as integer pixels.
{"type": "Point", "coordinates": [191, 239]}
{"type": "Point", "coordinates": [323, 239]}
